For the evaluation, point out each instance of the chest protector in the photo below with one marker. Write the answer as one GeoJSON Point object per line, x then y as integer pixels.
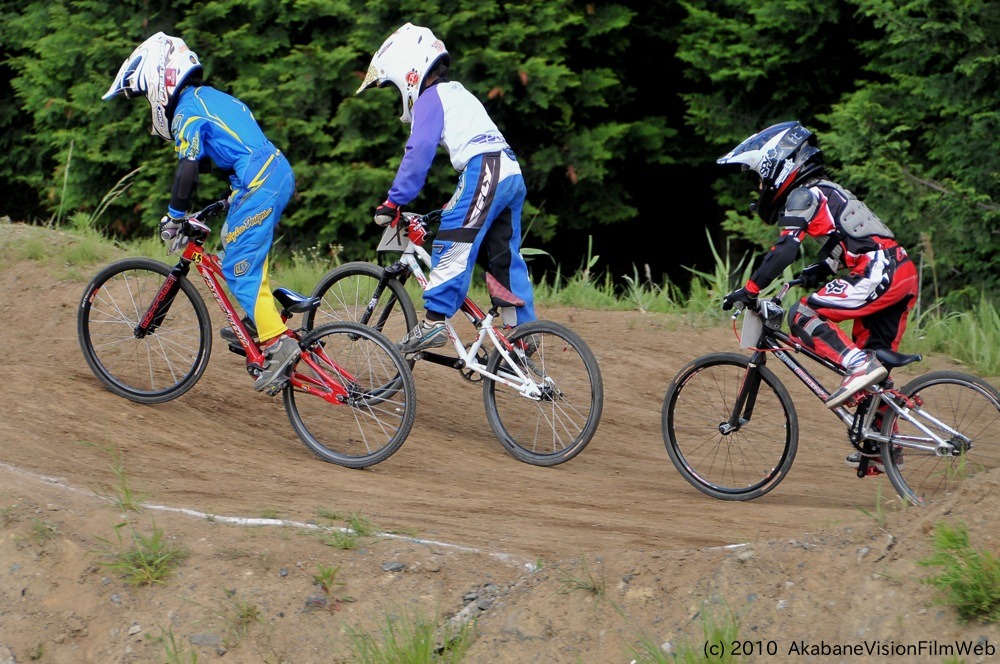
{"type": "Point", "coordinates": [853, 217]}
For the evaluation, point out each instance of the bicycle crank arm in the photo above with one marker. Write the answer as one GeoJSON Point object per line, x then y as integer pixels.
{"type": "Point", "coordinates": [443, 360]}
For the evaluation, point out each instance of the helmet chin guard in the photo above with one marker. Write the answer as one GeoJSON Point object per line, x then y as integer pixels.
{"type": "Point", "coordinates": [157, 68]}
{"type": "Point", "coordinates": [404, 60]}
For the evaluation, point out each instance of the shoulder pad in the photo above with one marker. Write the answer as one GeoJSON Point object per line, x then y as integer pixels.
{"type": "Point", "coordinates": [800, 199]}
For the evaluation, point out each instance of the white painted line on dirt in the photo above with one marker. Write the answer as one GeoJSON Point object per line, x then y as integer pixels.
{"type": "Point", "coordinates": [252, 521]}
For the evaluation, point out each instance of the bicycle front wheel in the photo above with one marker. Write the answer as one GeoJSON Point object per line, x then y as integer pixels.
{"type": "Point", "coordinates": [160, 365]}
{"type": "Point", "coordinates": [348, 291]}
{"type": "Point", "coordinates": [739, 463]}
{"type": "Point", "coordinates": [351, 398]}
{"type": "Point", "coordinates": [970, 408]}
{"type": "Point", "coordinates": [557, 427]}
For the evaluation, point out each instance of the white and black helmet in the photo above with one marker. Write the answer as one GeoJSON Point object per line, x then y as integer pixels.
{"type": "Point", "coordinates": [404, 60]}
{"type": "Point", "coordinates": [157, 68]}
{"type": "Point", "coordinates": [778, 157]}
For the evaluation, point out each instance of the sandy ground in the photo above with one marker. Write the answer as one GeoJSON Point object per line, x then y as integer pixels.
{"type": "Point", "coordinates": [582, 562]}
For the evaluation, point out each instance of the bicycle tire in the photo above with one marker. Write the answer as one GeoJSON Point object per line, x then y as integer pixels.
{"type": "Point", "coordinates": [347, 290]}
{"type": "Point", "coordinates": [968, 404]}
{"type": "Point", "coordinates": [162, 365]}
{"type": "Point", "coordinates": [378, 413]}
{"type": "Point", "coordinates": [746, 463]}
{"type": "Point", "coordinates": [559, 426]}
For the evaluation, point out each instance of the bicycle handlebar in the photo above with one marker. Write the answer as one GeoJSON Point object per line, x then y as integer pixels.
{"type": "Point", "coordinates": [192, 225]}
{"type": "Point", "coordinates": [777, 298]}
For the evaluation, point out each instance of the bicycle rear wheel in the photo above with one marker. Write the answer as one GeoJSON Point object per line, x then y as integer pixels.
{"type": "Point", "coordinates": [965, 403]}
{"type": "Point", "coordinates": [556, 428]}
{"type": "Point", "coordinates": [159, 366]}
{"type": "Point", "coordinates": [746, 462]}
{"type": "Point", "coordinates": [374, 413]}
{"type": "Point", "coordinates": [348, 290]}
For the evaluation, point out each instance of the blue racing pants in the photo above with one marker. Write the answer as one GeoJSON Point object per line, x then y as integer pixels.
{"type": "Point", "coordinates": [482, 217]}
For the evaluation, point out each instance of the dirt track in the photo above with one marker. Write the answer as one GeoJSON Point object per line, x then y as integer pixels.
{"type": "Point", "coordinates": [471, 516]}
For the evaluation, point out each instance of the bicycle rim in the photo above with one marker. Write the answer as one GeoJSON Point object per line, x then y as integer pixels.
{"type": "Point", "coordinates": [745, 463]}
{"type": "Point", "coordinates": [163, 364]}
{"type": "Point", "coordinates": [347, 290]}
{"type": "Point", "coordinates": [374, 418]}
{"type": "Point", "coordinates": [965, 403]}
{"type": "Point", "coordinates": [556, 428]}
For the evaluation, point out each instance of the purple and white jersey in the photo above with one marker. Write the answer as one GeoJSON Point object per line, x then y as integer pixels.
{"type": "Point", "coordinates": [446, 114]}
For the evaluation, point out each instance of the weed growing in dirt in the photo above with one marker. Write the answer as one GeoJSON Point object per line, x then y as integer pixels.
{"type": "Point", "coordinates": [412, 638]}
{"type": "Point", "coordinates": [174, 650]}
{"type": "Point", "coordinates": [361, 526]}
{"type": "Point", "coordinates": [121, 494]}
{"type": "Point", "coordinates": [9, 514]}
{"type": "Point", "coordinates": [716, 632]}
{"type": "Point", "coordinates": [240, 618]}
{"type": "Point", "coordinates": [969, 578]}
{"type": "Point", "coordinates": [879, 512]}
{"type": "Point", "coordinates": [43, 531]}
{"type": "Point", "coordinates": [586, 581]}
{"type": "Point", "coordinates": [326, 579]}
{"type": "Point", "coordinates": [338, 539]}
{"type": "Point", "coordinates": [149, 561]}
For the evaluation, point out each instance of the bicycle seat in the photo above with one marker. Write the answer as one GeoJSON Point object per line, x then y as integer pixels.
{"type": "Point", "coordinates": [499, 295]}
{"type": "Point", "coordinates": [892, 359]}
{"type": "Point", "coordinates": [295, 303]}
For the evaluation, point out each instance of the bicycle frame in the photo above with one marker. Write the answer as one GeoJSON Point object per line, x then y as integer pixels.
{"type": "Point", "coordinates": [409, 263]}
{"type": "Point", "coordinates": [209, 267]}
{"type": "Point", "coordinates": [859, 423]}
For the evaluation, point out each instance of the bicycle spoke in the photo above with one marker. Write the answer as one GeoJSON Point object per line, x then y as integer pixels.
{"type": "Point", "coordinates": [375, 405]}
{"type": "Point", "coordinates": [164, 363]}
{"type": "Point", "coordinates": [559, 425]}
{"type": "Point", "coordinates": [743, 463]}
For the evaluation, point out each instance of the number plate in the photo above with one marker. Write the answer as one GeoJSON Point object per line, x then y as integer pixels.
{"type": "Point", "coordinates": [753, 325]}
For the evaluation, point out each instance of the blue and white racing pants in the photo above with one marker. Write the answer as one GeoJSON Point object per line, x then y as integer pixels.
{"type": "Point", "coordinates": [484, 213]}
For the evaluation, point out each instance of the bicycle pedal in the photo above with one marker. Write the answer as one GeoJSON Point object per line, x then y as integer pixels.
{"type": "Point", "coordinates": [276, 388]}
{"type": "Point", "coordinates": [238, 349]}
{"type": "Point", "coordinates": [871, 471]}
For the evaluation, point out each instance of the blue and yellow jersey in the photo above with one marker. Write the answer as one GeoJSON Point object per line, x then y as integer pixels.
{"type": "Point", "coordinates": [210, 123]}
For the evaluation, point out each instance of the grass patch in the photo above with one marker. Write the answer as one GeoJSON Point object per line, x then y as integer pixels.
{"type": "Point", "coordinates": [585, 580]}
{"type": "Point", "coordinates": [411, 638]}
{"type": "Point", "coordinates": [963, 325]}
{"type": "Point", "coordinates": [968, 579]}
{"type": "Point", "coordinates": [717, 636]}
{"type": "Point", "coordinates": [121, 492]}
{"type": "Point", "coordinates": [145, 560]}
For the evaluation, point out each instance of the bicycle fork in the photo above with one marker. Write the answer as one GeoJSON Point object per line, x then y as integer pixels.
{"type": "Point", "coordinates": [746, 399]}
{"type": "Point", "coordinates": [160, 305]}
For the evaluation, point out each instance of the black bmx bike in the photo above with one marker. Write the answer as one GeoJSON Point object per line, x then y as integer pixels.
{"type": "Point", "coordinates": [731, 429]}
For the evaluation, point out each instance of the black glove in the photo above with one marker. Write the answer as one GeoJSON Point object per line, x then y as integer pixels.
{"type": "Point", "coordinates": [387, 213]}
{"type": "Point", "coordinates": [739, 297]}
{"type": "Point", "coordinates": [815, 274]}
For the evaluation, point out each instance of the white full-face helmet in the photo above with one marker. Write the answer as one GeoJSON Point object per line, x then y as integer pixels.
{"type": "Point", "coordinates": [157, 68]}
{"type": "Point", "coordinates": [404, 60]}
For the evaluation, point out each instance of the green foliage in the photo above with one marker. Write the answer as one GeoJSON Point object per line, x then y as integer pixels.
{"type": "Point", "coordinates": [546, 72]}
{"type": "Point", "coordinates": [715, 631]}
{"type": "Point", "coordinates": [970, 334]}
{"type": "Point", "coordinates": [921, 163]}
{"type": "Point", "coordinates": [410, 637]}
{"type": "Point", "coordinates": [968, 578]}
{"type": "Point", "coordinates": [617, 115]}
{"type": "Point", "coordinates": [148, 561]}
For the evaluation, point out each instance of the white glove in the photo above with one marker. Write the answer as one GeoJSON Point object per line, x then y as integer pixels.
{"type": "Point", "coordinates": [169, 227]}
